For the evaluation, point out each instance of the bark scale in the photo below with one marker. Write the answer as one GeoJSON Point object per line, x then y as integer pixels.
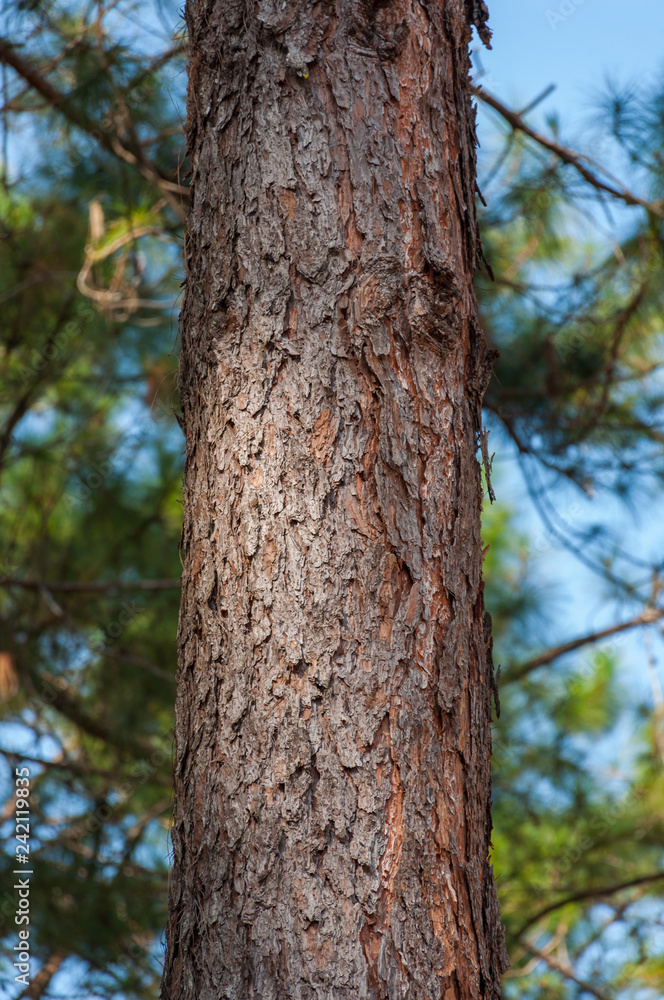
{"type": "Point", "coordinates": [332, 777]}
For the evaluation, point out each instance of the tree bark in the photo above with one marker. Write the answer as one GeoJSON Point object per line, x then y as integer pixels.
{"type": "Point", "coordinates": [332, 778]}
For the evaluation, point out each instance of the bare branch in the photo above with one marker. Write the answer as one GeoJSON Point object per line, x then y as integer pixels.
{"type": "Point", "coordinates": [564, 969]}
{"type": "Point", "coordinates": [41, 981]}
{"type": "Point", "coordinates": [569, 156]}
{"type": "Point", "coordinates": [647, 617]}
{"type": "Point", "coordinates": [22, 404]}
{"type": "Point", "coordinates": [156, 64]}
{"type": "Point", "coordinates": [590, 893]}
{"type": "Point", "coordinates": [114, 298]}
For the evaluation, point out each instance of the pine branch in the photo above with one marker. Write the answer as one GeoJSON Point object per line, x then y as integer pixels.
{"type": "Point", "coordinates": [132, 154]}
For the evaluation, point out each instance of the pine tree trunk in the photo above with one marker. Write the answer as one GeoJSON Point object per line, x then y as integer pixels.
{"type": "Point", "coordinates": [332, 797]}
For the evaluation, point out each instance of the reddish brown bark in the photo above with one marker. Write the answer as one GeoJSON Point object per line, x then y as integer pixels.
{"type": "Point", "coordinates": [332, 812]}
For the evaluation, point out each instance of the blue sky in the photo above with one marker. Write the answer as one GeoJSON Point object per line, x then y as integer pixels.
{"type": "Point", "coordinates": [575, 44]}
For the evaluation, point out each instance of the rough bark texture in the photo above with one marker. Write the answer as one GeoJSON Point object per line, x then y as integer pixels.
{"type": "Point", "coordinates": [332, 804]}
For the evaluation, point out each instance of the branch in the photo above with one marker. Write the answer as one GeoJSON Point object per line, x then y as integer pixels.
{"type": "Point", "coordinates": [23, 402]}
{"type": "Point", "coordinates": [592, 893]}
{"type": "Point", "coordinates": [144, 664]}
{"type": "Point", "coordinates": [137, 830]}
{"type": "Point", "coordinates": [551, 945]}
{"type": "Point", "coordinates": [60, 763]}
{"type": "Point", "coordinates": [563, 969]}
{"type": "Point", "coordinates": [134, 156]}
{"type": "Point", "coordinates": [115, 298]}
{"type": "Point", "coordinates": [567, 155]}
{"type": "Point", "coordinates": [76, 768]}
{"type": "Point", "coordinates": [14, 105]}
{"type": "Point", "coordinates": [649, 616]}
{"type": "Point", "coordinates": [67, 704]}
{"type": "Point", "coordinates": [40, 983]}
{"type": "Point", "coordinates": [95, 587]}
{"type": "Point", "coordinates": [156, 64]}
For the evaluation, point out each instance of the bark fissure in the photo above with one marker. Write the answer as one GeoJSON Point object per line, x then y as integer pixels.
{"type": "Point", "coordinates": [332, 814]}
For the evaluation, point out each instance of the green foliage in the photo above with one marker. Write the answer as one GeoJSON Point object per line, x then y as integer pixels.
{"type": "Point", "coordinates": [91, 460]}
{"type": "Point", "coordinates": [577, 399]}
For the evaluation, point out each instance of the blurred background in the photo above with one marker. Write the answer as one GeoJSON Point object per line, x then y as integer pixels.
{"type": "Point", "coordinates": [571, 163]}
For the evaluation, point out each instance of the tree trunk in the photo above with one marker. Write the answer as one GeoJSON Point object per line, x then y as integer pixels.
{"type": "Point", "coordinates": [332, 796]}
